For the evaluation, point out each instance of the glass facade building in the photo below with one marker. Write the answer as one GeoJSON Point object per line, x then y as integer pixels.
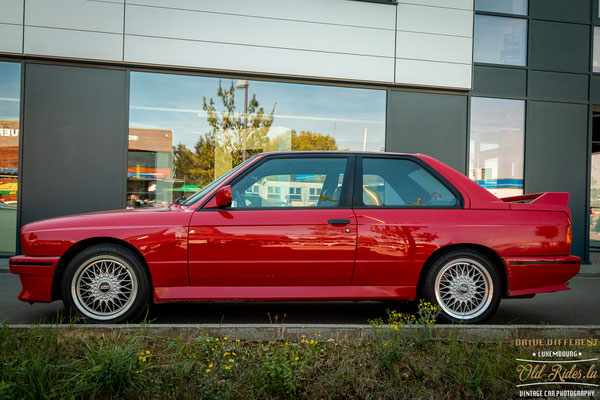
{"type": "Point", "coordinates": [136, 106]}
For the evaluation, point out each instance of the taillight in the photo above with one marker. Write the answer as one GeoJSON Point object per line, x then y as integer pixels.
{"type": "Point", "coordinates": [569, 235]}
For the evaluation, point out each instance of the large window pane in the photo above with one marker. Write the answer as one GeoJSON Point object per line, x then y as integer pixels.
{"type": "Point", "coordinates": [185, 131]}
{"type": "Point", "coordinates": [10, 84]}
{"type": "Point", "coordinates": [500, 40]}
{"type": "Point", "coordinates": [497, 145]}
{"type": "Point", "coordinates": [596, 52]}
{"type": "Point", "coordinates": [518, 7]}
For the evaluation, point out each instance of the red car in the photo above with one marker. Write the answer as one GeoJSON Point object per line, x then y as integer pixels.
{"type": "Point", "coordinates": [308, 226]}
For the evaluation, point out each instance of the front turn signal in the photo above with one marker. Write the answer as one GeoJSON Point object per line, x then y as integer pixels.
{"type": "Point", "coordinates": [569, 235]}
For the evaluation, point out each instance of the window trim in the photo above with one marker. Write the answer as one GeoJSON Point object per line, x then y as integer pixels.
{"type": "Point", "coordinates": [345, 194]}
{"type": "Point", "coordinates": [357, 203]}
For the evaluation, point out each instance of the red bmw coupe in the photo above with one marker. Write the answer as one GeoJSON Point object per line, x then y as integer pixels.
{"type": "Point", "coordinates": [308, 226]}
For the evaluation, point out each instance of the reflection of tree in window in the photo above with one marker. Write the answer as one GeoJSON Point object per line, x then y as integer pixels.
{"type": "Point", "coordinates": [228, 136]}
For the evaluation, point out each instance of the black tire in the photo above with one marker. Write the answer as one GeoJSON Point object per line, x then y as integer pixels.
{"type": "Point", "coordinates": [465, 285]}
{"type": "Point", "coordinates": [107, 284]}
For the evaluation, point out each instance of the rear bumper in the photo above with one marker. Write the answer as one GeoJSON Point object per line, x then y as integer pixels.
{"type": "Point", "coordinates": [530, 275]}
{"type": "Point", "coordinates": [36, 277]}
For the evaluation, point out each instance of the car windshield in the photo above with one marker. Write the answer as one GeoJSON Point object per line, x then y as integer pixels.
{"type": "Point", "coordinates": [206, 189]}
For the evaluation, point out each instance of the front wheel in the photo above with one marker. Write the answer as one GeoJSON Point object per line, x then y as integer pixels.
{"type": "Point", "coordinates": [106, 284]}
{"type": "Point", "coordinates": [464, 285]}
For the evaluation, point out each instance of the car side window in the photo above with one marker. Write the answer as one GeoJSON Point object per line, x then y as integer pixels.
{"type": "Point", "coordinates": [404, 183]}
{"type": "Point", "coordinates": [291, 182]}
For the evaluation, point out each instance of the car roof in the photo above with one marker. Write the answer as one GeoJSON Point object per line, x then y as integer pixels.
{"type": "Point", "coordinates": [336, 152]}
{"type": "Point", "coordinates": [475, 196]}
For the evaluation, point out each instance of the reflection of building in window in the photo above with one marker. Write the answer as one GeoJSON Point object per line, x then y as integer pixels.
{"type": "Point", "coordinates": [295, 194]}
{"type": "Point", "coordinates": [512, 51]}
{"type": "Point", "coordinates": [9, 161]}
{"type": "Point", "coordinates": [274, 193]}
{"type": "Point", "coordinates": [149, 168]}
{"type": "Point", "coordinates": [283, 190]}
{"type": "Point", "coordinates": [314, 194]}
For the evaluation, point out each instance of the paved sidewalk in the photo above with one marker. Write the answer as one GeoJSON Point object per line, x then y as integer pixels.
{"type": "Point", "coordinates": [592, 269]}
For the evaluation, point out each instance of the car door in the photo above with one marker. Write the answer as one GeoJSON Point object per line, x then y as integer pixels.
{"type": "Point", "coordinates": [402, 208]}
{"type": "Point", "coordinates": [290, 223]}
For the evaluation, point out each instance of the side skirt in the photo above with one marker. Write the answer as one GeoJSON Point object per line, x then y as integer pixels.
{"type": "Point", "coordinates": [282, 293]}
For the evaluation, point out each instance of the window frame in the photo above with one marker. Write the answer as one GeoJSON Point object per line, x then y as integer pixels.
{"type": "Point", "coordinates": [357, 203]}
{"type": "Point", "coordinates": [345, 194]}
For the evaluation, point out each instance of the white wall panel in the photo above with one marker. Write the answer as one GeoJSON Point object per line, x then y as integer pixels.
{"type": "Point", "coordinates": [416, 72]}
{"type": "Point", "coordinates": [11, 12]}
{"type": "Point", "coordinates": [11, 38]}
{"type": "Point", "coordinates": [337, 39]}
{"type": "Point", "coordinates": [74, 44]}
{"type": "Point", "coordinates": [424, 46]}
{"type": "Point", "coordinates": [86, 15]}
{"type": "Point", "coordinates": [461, 4]}
{"type": "Point", "coordinates": [434, 43]}
{"type": "Point", "coordinates": [443, 21]}
{"type": "Point", "coordinates": [234, 29]}
{"type": "Point", "coordinates": [340, 12]}
{"type": "Point", "coordinates": [256, 59]}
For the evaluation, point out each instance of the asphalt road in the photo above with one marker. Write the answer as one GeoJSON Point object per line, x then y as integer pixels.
{"type": "Point", "coordinates": [578, 306]}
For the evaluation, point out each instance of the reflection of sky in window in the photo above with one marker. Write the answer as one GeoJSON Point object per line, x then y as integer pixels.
{"type": "Point", "coordinates": [10, 89]}
{"type": "Point", "coordinates": [506, 6]}
{"type": "Point", "coordinates": [174, 102]}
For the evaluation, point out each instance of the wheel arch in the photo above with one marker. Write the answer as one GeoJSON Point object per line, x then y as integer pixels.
{"type": "Point", "coordinates": [498, 262]}
{"type": "Point", "coordinates": [81, 245]}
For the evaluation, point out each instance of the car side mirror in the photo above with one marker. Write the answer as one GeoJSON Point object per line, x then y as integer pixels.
{"type": "Point", "coordinates": [221, 199]}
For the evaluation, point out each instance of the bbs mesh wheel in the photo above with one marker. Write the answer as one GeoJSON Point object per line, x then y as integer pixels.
{"type": "Point", "coordinates": [464, 285]}
{"type": "Point", "coordinates": [106, 283]}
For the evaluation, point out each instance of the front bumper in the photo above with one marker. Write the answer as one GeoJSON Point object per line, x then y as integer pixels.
{"type": "Point", "coordinates": [530, 275]}
{"type": "Point", "coordinates": [36, 277]}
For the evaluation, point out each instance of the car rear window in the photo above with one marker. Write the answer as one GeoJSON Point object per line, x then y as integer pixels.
{"type": "Point", "coordinates": [389, 182]}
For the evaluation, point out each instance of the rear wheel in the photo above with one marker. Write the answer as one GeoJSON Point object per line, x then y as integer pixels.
{"type": "Point", "coordinates": [106, 284]}
{"type": "Point", "coordinates": [465, 285]}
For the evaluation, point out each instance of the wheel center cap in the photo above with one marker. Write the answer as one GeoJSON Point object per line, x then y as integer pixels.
{"type": "Point", "coordinates": [463, 288]}
{"type": "Point", "coordinates": [104, 287]}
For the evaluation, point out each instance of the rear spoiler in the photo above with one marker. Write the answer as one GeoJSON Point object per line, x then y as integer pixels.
{"type": "Point", "coordinates": [547, 198]}
{"type": "Point", "coordinates": [548, 201]}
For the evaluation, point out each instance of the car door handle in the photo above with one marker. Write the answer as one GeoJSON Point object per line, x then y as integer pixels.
{"type": "Point", "coordinates": [339, 221]}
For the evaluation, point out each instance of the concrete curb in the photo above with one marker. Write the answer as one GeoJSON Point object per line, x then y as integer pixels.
{"type": "Point", "coordinates": [327, 332]}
